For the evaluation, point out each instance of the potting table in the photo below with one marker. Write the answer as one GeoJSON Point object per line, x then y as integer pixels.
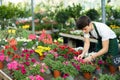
{"type": "Point", "coordinates": [76, 41]}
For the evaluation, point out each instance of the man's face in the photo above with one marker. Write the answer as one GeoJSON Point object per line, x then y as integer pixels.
{"type": "Point", "coordinates": [86, 29]}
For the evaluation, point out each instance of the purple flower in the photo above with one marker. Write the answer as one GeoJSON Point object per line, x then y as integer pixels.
{"type": "Point", "coordinates": [65, 75]}
{"type": "Point", "coordinates": [100, 62]}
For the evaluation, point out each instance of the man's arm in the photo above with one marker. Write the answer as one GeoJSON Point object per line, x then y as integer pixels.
{"type": "Point", "coordinates": [85, 48]}
{"type": "Point", "coordinates": [86, 45]}
{"type": "Point", "coordinates": [105, 46]}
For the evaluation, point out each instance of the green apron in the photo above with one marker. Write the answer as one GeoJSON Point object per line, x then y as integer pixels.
{"type": "Point", "coordinates": [113, 45]}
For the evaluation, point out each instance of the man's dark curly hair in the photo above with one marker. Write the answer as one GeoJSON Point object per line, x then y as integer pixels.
{"type": "Point", "coordinates": [82, 22]}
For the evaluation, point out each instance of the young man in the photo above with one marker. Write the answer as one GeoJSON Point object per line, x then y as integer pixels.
{"type": "Point", "coordinates": [107, 42]}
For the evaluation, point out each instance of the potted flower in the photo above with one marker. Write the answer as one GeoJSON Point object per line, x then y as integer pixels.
{"type": "Point", "coordinates": [26, 65]}
{"type": "Point", "coordinates": [56, 68]}
{"type": "Point", "coordinates": [66, 51]}
{"type": "Point", "coordinates": [87, 69]}
{"type": "Point", "coordinates": [2, 58]}
{"type": "Point", "coordinates": [110, 65]}
{"type": "Point", "coordinates": [69, 70]}
{"type": "Point", "coordinates": [40, 50]}
{"type": "Point", "coordinates": [100, 64]}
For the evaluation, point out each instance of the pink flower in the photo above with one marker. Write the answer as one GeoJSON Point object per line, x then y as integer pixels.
{"type": "Point", "coordinates": [12, 65]}
{"type": "Point", "coordinates": [2, 57]}
{"type": "Point", "coordinates": [79, 60]}
{"type": "Point", "coordinates": [7, 58]}
{"type": "Point", "coordinates": [42, 70]}
{"type": "Point", "coordinates": [56, 55]}
{"type": "Point", "coordinates": [66, 62]}
{"type": "Point", "coordinates": [45, 38]}
{"type": "Point", "coordinates": [32, 36]}
{"type": "Point", "coordinates": [38, 77]}
{"type": "Point", "coordinates": [31, 77]}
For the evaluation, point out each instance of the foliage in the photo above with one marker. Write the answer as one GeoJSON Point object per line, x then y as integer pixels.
{"type": "Point", "coordinates": [117, 31]}
{"type": "Point", "coordinates": [116, 14]}
{"type": "Point", "coordinates": [3, 42]}
{"type": "Point", "coordinates": [109, 60]}
{"type": "Point", "coordinates": [74, 11]}
{"type": "Point", "coordinates": [57, 65]}
{"type": "Point", "coordinates": [106, 77]}
{"type": "Point", "coordinates": [8, 33]}
{"type": "Point", "coordinates": [12, 11]}
{"type": "Point", "coordinates": [61, 16]}
{"type": "Point", "coordinates": [49, 56]}
{"type": "Point", "coordinates": [60, 58]}
{"type": "Point", "coordinates": [117, 76]}
{"type": "Point", "coordinates": [54, 65]}
{"type": "Point", "coordinates": [25, 65]}
{"type": "Point", "coordinates": [69, 69]}
{"type": "Point", "coordinates": [20, 76]}
{"type": "Point", "coordinates": [48, 62]}
{"type": "Point", "coordinates": [109, 12]}
{"type": "Point", "coordinates": [87, 67]}
{"type": "Point", "coordinates": [59, 78]}
{"type": "Point", "coordinates": [99, 62]}
{"type": "Point", "coordinates": [66, 51]}
{"type": "Point", "coordinates": [93, 14]}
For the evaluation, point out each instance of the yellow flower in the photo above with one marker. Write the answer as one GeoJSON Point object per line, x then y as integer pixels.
{"type": "Point", "coordinates": [25, 26]}
{"type": "Point", "coordinates": [9, 31]}
{"type": "Point", "coordinates": [40, 50]}
{"type": "Point", "coordinates": [12, 31]}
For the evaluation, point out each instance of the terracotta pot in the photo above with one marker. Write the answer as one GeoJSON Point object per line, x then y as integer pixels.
{"type": "Point", "coordinates": [56, 73]}
{"type": "Point", "coordinates": [112, 69]}
{"type": "Point", "coordinates": [87, 75]}
{"type": "Point", "coordinates": [42, 57]}
{"type": "Point", "coordinates": [1, 65]}
{"type": "Point", "coordinates": [98, 70]}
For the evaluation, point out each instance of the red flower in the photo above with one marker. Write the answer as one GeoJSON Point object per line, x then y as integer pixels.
{"type": "Point", "coordinates": [14, 47]}
{"type": "Point", "coordinates": [27, 63]}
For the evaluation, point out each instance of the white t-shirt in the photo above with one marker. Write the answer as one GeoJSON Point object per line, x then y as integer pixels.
{"type": "Point", "coordinates": [104, 31]}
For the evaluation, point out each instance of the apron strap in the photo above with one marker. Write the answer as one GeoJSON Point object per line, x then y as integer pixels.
{"type": "Point", "coordinates": [99, 37]}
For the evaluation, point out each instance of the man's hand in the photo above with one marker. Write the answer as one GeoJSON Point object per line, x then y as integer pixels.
{"type": "Point", "coordinates": [88, 59]}
{"type": "Point", "coordinates": [80, 56]}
